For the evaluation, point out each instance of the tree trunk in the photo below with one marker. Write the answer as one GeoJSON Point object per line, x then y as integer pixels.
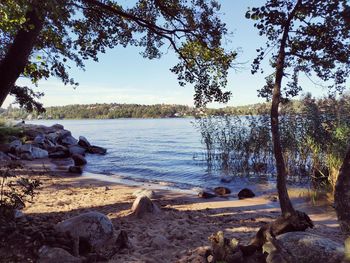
{"type": "Point", "coordinates": [285, 203]}
{"type": "Point", "coordinates": [16, 58]}
{"type": "Point", "coordinates": [342, 194]}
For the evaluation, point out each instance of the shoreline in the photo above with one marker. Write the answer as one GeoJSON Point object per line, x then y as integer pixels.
{"type": "Point", "coordinates": [177, 233]}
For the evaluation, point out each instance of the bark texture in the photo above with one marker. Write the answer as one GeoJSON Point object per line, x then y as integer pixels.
{"type": "Point", "coordinates": [16, 58]}
{"type": "Point", "coordinates": [342, 194]}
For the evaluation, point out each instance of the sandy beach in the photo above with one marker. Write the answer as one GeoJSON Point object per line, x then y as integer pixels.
{"type": "Point", "coordinates": [179, 232]}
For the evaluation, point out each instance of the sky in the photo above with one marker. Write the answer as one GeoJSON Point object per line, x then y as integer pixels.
{"type": "Point", "coordinates": [122, 75]}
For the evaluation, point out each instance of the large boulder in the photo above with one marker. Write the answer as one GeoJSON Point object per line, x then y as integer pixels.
{"type": "Point", "coordinates": [53, 137]}
{"type": "Point", "coordinates": [15, 144]}
{"type": "Point", "coordinates": [56, 255]}
{"type": "Point", "coordinates": [83, 142]}
{"type": "Point", "coordinates": [78, 159]}
{"type": "Point", "coordinates": [39, 139]}
{"type": "Point", "coordinates": [57, 126]}
{"type": "Point", "coordinates": [76, 149]}
{"type": "Point", "coordinates": [92, 227]}
{"type": "Point", "coordinates": [25, 148]}
{"type": "Point", "coordinates": [69, 140]}
{"type": "Point", "coordinates": [97, 150]}
{"type": "Point", "coordinates": [245, 193]}
{"type": "Point", "coordinates": [143, 205]}
{"type": "Point", "coordinates": [38, 153]}
{"type": "Point", "coordinates": [304, 247]}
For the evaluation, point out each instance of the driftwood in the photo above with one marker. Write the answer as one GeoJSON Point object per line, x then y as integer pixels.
{"type": "Point", "coordinates": [229, 251]}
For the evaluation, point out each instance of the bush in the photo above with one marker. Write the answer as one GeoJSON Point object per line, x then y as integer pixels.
{"type": "Point", "coordinates": [14, 193]}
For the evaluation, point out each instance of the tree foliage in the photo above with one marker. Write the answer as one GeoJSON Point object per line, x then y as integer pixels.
{"type": "Point", "coordinates": [303, 36]}
{"type": "Point", "coordinates": [318, 42]}
{"type": "Point", "coordinates": [74, 31]}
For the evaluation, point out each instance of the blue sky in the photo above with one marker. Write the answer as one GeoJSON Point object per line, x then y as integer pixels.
{"type": "Point", "coordinates": [122, 75]}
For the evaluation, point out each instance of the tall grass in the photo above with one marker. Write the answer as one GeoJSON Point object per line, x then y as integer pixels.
{"type": "Point", "coordinates": [314, 141]}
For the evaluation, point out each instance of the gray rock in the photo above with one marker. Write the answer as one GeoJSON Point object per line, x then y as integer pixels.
{"type": "Point", "coordinates": [25, 148]}
{"type": "Point", "coordinates": [78, 159]}
{"type": "Point", "coordinates": [76, 149]}
{"type": "Point", "coordinates": [144, 192]}
{"type": "Point", "coordinates": [39, 139]}
{"type": "Point", "coordinates": [206, 195]}
{"type": "Point", "coordinates": [75, 169]}
{"type": "Point", "coordinates": [58, 154]}
{"type": "Point", "coordinates": [93, 227]}
{"type": "Point", "coordinates": [26, 156]}
{"type": "Point", "coordinates": [97, 150]}
{"type": "Point", "coordinates": [38, 153]}
{"type": "Point", "coordinates": [56, 255]}
{"type": "Point", "coordinates": [63, 134]}
{"type": "Point", "coordinates": [83, 142]}
{"type": "Point", "coordinates": [53, 137]}
{"type": "Point", "coordinates": [15, 144]}
{"type": "Point", "coordinates": [245, 193]}
{"type": "Point", "coordinates": [307, 247]}
{"type": "Point", "coordinates": [57, 126]}
{"type": "Point", "coordinates": [69, 140]}
{"type": "Point", "coordinates": [4, 157]}
{"type": "Point", "coordinates": [143, 205]}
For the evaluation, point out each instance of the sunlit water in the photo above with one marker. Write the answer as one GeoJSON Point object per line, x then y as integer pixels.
{"type": "Point", "coordinates": [151, 150]}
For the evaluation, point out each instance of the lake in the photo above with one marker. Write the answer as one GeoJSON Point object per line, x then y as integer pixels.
{"type": "Point", "coordinates": [165, 151]}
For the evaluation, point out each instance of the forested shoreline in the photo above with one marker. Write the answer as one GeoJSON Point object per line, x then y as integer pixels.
{"type": "Point", "coordinates": [116, 110]}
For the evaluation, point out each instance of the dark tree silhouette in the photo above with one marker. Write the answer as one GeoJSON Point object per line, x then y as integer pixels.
{"type": "Point", "coordinates": [303, 36]}
{"type": "Point", "coordinates": [39, 39]}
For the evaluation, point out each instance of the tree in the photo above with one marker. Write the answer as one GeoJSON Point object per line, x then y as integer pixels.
{"type": "Point", "coordinates": [303, 36]}
{"type": "Point", "coordinates": [40, 39]}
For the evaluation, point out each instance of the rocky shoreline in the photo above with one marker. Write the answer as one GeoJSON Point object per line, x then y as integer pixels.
{"type": "Point", "coordinates": [54, 142]}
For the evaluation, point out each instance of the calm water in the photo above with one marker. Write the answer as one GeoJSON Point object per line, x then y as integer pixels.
{"type": "Point", "coordinates": [149, 150]}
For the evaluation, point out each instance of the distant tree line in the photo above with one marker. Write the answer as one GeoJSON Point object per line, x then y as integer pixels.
{"type": "Point", "coordinates": [115, 110]}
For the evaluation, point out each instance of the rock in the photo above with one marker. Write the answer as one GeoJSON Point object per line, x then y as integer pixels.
{"type": "Point", "coordinates": [26, 156]}
{"type": "Point", "coordinates": [56, 255]}
{"type": "Point", "coordinates": [53, 137]}
{"type": "Point", "coordinates": [18, 213]}
{"type": "Point", "coordinates": [93, 227]}
{"type": "Point", "coordinates": [75, 169]}
{"type": "Point", "coordinates": [38, 153]}
{"type": "Point", "coordinates": [142, 206]}
{"type": "Point", "coordinates": [12, 138]}
{"type": "Point", "coordinates": [58, 126]}
{"type": "Point", "coordinates": [25, 148]}
{"type": "Point", "coordinates": [5, 147]}
{"type": "Point", "coordinates": [4, 157]}
{"type": "Point", "coordinates": [245, 193]}
{"type": "Point", "coordinates": [226, 179]}
{"type": "Point", "coordinates": [58, 154]}
{"type": "Point", "coordinates": [63, 134]}
{"type": "Point", "coordinates": [97, 150]}
{"type": "Point", "coordinates": [144, 192]}
{"type": "Point", "coordinates": [76, 149]}
{"type": "Point", "coordinates": [15, 144]}
{"type": "Point", "coordinates": [69, 140]}
{"type": "Point", "coordinates": [206, 195]}
{"type": "Point", "coordinates": [83, 142]}
{"type": "Point", "coordinates": [78, 159]}
{"type": "Point", "coordinates": [39, 139]}
{"type": "Point", "coordinates": [222, 190]}
{"type": "Point", "coordinates": [307, 247]}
